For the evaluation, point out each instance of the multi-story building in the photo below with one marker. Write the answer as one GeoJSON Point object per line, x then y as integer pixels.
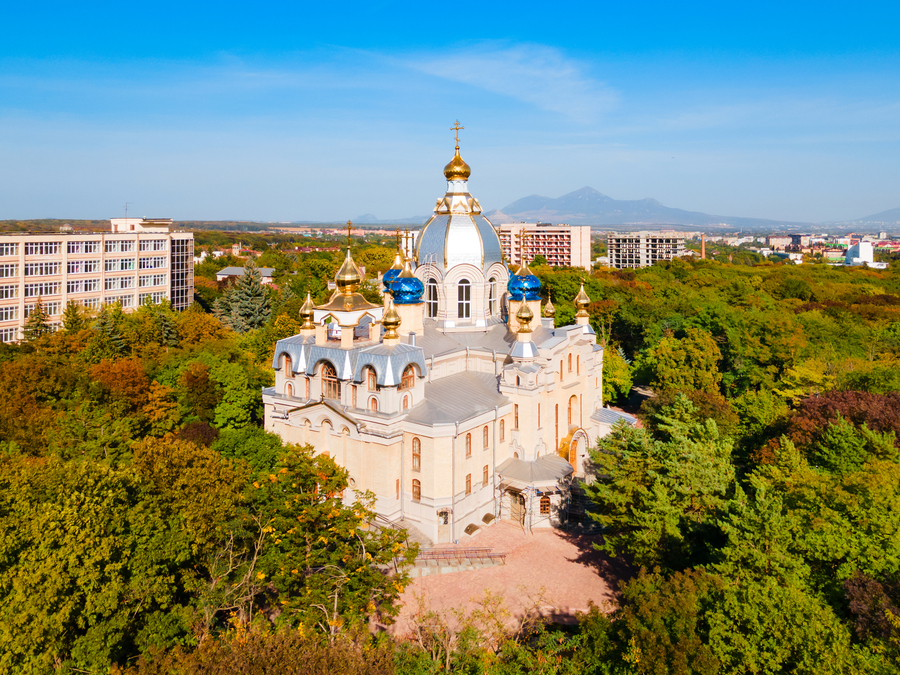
{"type": "Point", "coordinates": [642, 249]}
{"type": "Point", "coordinates": [561, 245]}
{"type": "Point", "coordinates": [137, 259]}
{"type": "Point", "coordinates": [778, 243]}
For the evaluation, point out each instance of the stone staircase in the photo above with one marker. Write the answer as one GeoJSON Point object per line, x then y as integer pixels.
{"type": "Point", "coordinates": [454, 559]}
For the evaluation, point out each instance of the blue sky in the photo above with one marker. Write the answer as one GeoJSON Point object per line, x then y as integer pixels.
{"type": "Point", "coordinates": [299, 111]}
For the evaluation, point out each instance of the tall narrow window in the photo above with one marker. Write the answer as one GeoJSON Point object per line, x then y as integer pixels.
{"type": "Point", "coordinates": [417, 489]}
{"type": "Point", "coordinates": [353, 394]}
{"type": "Point", "coordinates": [468, 483]}
{"type": "Point", "coordinates": [464, 296]}
{"type": "Point", "coordinates": [468, 445]}
{"type": "Point", "coordinates": [560, 369]}
{"type": "Point", "coordinates": [570, 363]}
{"type": "Point", "coordinates": [370, 379]}
{"type": "Point", "coordinates": [492, 296]}
{"type": "Point", "coordinates": [331, 385]}
{"type": "Point", "coordinates": [515, 415]}
{"type": "Point", "coordinates": [406, 402]}
{"type": "Point", "coordinates": [417, 455]}
{"type": "Point", "coordinates": [573, 401]}
{"type": "Point", "coordinates": [484, 435]}
{"type": "Point", "coordinates": [484, 476]}
{"type": "Point", "coordinates": [373, 404]}
{"type": "Point", "coordinates": [288, 369]}
{"type": "Point", "coordinates": [289, 389]}
{"type": "Point", "coordinates": [307, 387]}
{"type": "Point", "coordinates": [578, 364]}
{"type": "Point", "coordinates": [398, 488]}
{"type": "Point", "coordinates": [502, 430]}
{"type": "Point", "coordinates": [408, 381]}
{"type": "Point", "coordinates": [431, 299]}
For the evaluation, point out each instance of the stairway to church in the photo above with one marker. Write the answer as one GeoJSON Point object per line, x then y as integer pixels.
{"type": "Point", "coordinates": [449, 559]}
{"type": "Point", "coordinates": [579, 514]}
{"type": "Point", "coordinates": [414, 534]}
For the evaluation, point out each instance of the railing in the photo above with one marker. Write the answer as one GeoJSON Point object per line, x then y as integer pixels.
{"type": "Point", "coordinates": [459, 554]}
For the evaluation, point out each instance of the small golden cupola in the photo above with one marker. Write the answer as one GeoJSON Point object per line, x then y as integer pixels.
{"type": "Point", "coordinates": [549, 309]}
{"type": "Point", "coordinates": [581, 303]}
{"type": "Point", "coordinates": [348, 277]}
{"type": "Point", "coordinates": [524, 317]}
{"type": "Point", "coordinates": [457, 169]}
{"type": "Point", "coordinates": [391, 322]}
{"type": "Point", "coordinates": [306, 313]}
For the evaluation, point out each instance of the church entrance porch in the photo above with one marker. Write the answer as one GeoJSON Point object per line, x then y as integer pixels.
{"type": "Point", "coordinates": [535, 494]}
{"type": "Point", "coordinates": [516, 502]}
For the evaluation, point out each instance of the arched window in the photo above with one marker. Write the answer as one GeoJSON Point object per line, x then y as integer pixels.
{"type": "Point", "coordinates": [492, 296]}
{"type": "Point", "coordinates": [578, 364]}
{"type": "Point", "coordinates": [287, 368]}
{"type": "Point", "coordinates": [307, 387]}
{"type": "Point", "coordinates": [518, 381]}
{"type": "Point", "coordinates": [331, 385]}
{"type": "Point", "coordinates": [560, 369]}
{"type": "Point", "coordinates": [431, 299]}
{"type": "Point", "coordinates": [464, 297]}
{"type": "Point", "coordinates": [288, 389]}
{"type": "Point", "coordinates": [573, 403]}
{"type": "Point", "coordinates": [408, 381]}
{"type": "Point", "coordinates": [570, 363]}
{"type": "Point", "coordinates": [353, 395]}
{"type": "Point", "coordinates": [417, 489]}
{"type": "Point", "coordinates": [373, 404]}
{"type": "Point", "coordinates": [515, 415]}
{"type": "Point", "coordinates": [371, 382]}
{"type": "Point", "coordinates": [468, 483]}
{"type": "Point", "coordinates": [468, 445]}
{"type": "Point", "coordinates": [417, 455]}
{"type": "Point", "coordinates": [502, 430]}
{"type": "Point", "coordinates": [545, 505]}
{"type": "Point", "coordinates": [406, 402]}
{"type": "Point", "coordinates": [484, 435]}
{"type": "Point", "coordinates": [484, 476]}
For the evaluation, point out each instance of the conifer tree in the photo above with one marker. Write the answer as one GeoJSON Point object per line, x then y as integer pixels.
{"type": "Point", "coordinates": [72, 319]}
{"type": "Point", "coordinates": [37, 325]}
{"type": "Point", "coordinates": [247, 305]}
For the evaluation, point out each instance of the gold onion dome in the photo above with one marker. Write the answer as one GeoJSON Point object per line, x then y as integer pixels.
{"type": "Point", "coordinates": [306, 312]}
{"type": "Point", "coordinates": [582, 301]}
{"type": "Point", "coordinates": [549, 309]}
{"type": "Point", "coordinates": [457, 169]}
{"type": "Point", "coordinates": [524, 317]}
{"type": "Point", "coordinates": [391, 321]}
{"type": "Point", "coordinates": [348, 277]}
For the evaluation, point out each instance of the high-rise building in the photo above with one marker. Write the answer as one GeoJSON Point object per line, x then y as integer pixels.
{"type": "Point", "coordinates": [561, 245]}
{"type": "Point", "coordinates": [642, 249]}
{"type": "Point", "coordinates": [137, 259]}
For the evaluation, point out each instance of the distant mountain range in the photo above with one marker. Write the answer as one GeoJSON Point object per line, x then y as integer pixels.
{"type": "Point", "coordinates": [587, 206]}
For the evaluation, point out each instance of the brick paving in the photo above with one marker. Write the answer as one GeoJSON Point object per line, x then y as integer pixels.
{"type": "Point", "coordinates": [558, 572]}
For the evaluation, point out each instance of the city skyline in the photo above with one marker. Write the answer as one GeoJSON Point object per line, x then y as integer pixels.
{"type": "Point", "coordinates": [314, 114]}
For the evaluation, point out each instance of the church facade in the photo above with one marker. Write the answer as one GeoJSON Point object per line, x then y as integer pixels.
{"type": "Point", "coordinates": [457, 400]}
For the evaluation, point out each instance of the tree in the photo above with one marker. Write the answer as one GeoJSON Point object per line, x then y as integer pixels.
{"type": "Point", "coordinates": [683, 364]}
{"type": "Point", "coordinates": [72, 319]}
{"type": "Point", "coordinates": [37, 324]}
{"type": "Point", "coordinates": [247, 305]}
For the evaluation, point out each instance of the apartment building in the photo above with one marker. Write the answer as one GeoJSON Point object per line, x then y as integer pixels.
{"type": "Point", "coordinates": [137, 259]}
{"type": "Point", "coordinates": [562, 245]}
{"type": "Point", "coordinates": [642, 249]}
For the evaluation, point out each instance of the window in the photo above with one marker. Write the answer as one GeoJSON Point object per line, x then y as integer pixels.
{"type": "Point", "coordinates": [515, 416]}
{"type": "Point", "coordinates": [83, 266]}
{"type": "Point", "coordinates": [90, 303]}
{"type": "Point", "coordinates": [8, 334]}
{"type": "Point", "coordinates": [352, 394]}
{"type": "Point", "coordinates": [468, 483]}
{"type": "Point", "coordinates": [118, 246]}
{"type": "Point", "coordinates": [152, 280]}
{"type": "Point", "coordinates": [398, 488]}
{"type": "Point", "coordinates": [118, 264]}
{"type": "Point", "coordinates": [50, 308]}
{"type": "Point", "coordinates": [42, 248]}
{"type": "Point", "coordinates": [11, 291]}
{"type": "Point", "coordinates": [155, 297]}
{"type": "Point", "coordinates": [287, 367]}
{"type": "Point", "coordinates": [560, 370]}
{"type": "Point", "coordinates": [289, 389]}
{"type": "Point", "coordinates": [83, 286]}
{"type": "Point", "coordinates": [373, 404]}
{"type": "Point", "coordinates": [464, 296]}
{"type": "Point", "coordinates": [9, 313]}
{"type": "Point", "coordinates": [570, 363]}
{"type": "Point", "coordinates": [408, 381]}
{"type": "Point", "coordinates": [484, 476]}
{"type": "Point", "coordinates": [468, 445]}
{"type": "Point", "coordinates": [153, 245]}
{"type": "Point", "coordinates": [154, 263]}
{"type": "Point", "coordinates": [431, 303]}
{"type": "Point", "coordinates": [9, 270]}
{"type": "Point", "coordinates": [44, 269]}
{"type": "Point", "coordinates": [370, 379]}
{"type": "Point", "coordinates": [573, 403]}
{"type": "Point", "coordinates": [492, 295]}
{"type": "Point", "coordinates": [417, 489]}
{"type": "Point", "coordinates": [117, 283]}
{"type": "Point", "coordinates": [417, 455]}
{"type": "Point", "coordinates": [545, 505]}
{"type": "Point", "coordinates": [307, 387]}
{"type": "Point", "coordinates": [331, 386]}
{"type": "Point", "coordinates": [7, 250]}
{"type": "Point", "coordinates": [42, 288]}
{"type": "Point", "coordinates": [578, 365]}
{"type": "Point", "coordinates": [80, 247]}
{"type": "Point", "coordinates": [125, 300]}
{"type": "Point", "coordinates": [502, 430]}
{"type": "Point", "coordinates": [406, 402]}
{"type": "Point", "coordinates": [484, 434]}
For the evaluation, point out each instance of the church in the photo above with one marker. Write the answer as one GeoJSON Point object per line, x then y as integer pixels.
{"type": "Point", "coordinates": [457, 400]}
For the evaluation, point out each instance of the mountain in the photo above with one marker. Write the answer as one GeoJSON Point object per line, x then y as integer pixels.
{"type": "Point", "coordinates": [889, 217]}
{"type": "Point", "coordinates": [587, 206]}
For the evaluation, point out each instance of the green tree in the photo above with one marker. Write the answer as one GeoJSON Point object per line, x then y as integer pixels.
{"type": "Point", "coordinates": [73, 319]}
{"type": "Point", "coordinates": [247, 305]}
{"type": "Point", "coordinates": [37, 325]}
{"type": "Point", "coordinates": [683, 364]}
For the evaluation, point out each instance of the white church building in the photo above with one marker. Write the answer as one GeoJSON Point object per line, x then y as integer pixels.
{"type": "Point", "coordinates": [457, 400]}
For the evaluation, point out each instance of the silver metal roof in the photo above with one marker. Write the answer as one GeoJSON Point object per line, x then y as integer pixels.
{"type": "Point", "coordinates": [454, 239]}
{"type": "Point", "coordinates": [456, 398]}
{"type": "Point", "coordinates": [547, 469]}
{"type": "Point", "coordinates": [610, 416]}
{"type": "Point", "coordinates": [239, 271]}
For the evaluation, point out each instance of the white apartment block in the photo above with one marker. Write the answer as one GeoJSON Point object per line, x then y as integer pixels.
{"type": "Point", "coordinates": [642, 249]}
{"type": "Point", "coordinates": [562, 245]}
{"type": "Point", "coordinates": [137, 259]}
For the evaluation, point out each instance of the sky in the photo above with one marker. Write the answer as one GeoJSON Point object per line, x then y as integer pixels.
{"type": "Point", "coordinates": [324, 111]}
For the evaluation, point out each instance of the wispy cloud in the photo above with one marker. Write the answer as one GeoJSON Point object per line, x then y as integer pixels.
{"type": "Point", "coordinates": [535, 74]}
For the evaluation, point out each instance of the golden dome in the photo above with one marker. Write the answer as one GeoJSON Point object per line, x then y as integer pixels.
{"type": "Point", "coordinates": [549, 309]}
{"type": "Point", "coordinates": [582, 301]}
{"type": "Point", "coordinates": [348, 277]}
{"type": "Point", "coordinates": [306, 312]}
{"type": "Point", "coordinates": [391, 322]}
{"type": "Point", "coordinates": [457, 169]}
{"type": "Point", "coordinates": [524, 317]}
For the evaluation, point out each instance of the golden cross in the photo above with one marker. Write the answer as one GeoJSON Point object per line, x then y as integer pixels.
{"type": "Point", "coordinates": [398, 237]}
{"type": "Point", "coordinates": [456, 128]}
{"type": "Point", "coordinates": [349, 229]}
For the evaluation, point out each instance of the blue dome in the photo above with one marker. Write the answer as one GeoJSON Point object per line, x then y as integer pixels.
{"type": "Point", "coordinates": [516, 287]}
{"type": "Point", "coordinates": [531, 287]}
{"type": "Point", "coordinates": [407, 290]}
{"type": "Point", "coordinates": [390, 277]}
